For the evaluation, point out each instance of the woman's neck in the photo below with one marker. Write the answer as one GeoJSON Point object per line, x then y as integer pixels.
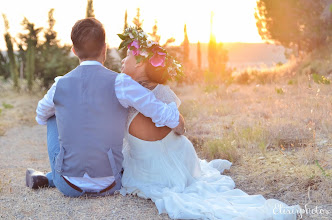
{"type": "Point", "coordinates": [144, 81]}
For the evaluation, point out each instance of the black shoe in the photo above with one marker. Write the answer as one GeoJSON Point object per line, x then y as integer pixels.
{"type": "Point", "coordinates": [35, 179]}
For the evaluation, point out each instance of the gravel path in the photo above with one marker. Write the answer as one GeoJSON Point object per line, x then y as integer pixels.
{"type": "Point", "coordinates": [25, 146]}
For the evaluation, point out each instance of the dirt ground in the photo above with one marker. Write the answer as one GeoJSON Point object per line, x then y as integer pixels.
{"type": "Point", "coordinates": [285, 168]}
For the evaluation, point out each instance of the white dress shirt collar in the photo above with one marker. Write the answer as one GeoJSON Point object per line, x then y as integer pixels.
{"type": "Point", "coordinates": [90, 62]}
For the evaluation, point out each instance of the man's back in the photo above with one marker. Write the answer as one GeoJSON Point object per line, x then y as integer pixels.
{"type": "Point", "coordinates": [90, 122]}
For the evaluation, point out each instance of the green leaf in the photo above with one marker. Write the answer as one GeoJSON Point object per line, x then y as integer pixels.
{"type": "Point", "coordinates": [122, 37]}
{"type": "Point", "coordinates": [121, 45]}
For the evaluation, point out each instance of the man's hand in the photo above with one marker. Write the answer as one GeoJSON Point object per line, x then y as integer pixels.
{"type": "Point", "coordinates": [180, 128]}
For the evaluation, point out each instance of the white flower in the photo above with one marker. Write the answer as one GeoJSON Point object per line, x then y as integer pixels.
{"type": "Point", "coordinates": [144, 53]}
{"type": "Point", "coordinates": [172, 74]}
{"type": "Point", "coordinates": [171, 71]}
{"type": "Point", "coordinates": [131, 35]}
{"type": "Point", "coordinates": [143, 34]}
{"type": "Point", "coordinates": [149, 43]}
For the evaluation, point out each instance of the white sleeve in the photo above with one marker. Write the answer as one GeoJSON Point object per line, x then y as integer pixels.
{"type": "Point", "coordinates": [45, 108]}
{"type": "Point", "coordinates": [131, 93]}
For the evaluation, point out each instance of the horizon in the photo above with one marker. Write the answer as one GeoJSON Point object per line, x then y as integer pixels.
{"type": "Point", "coordinates": [228, 22]}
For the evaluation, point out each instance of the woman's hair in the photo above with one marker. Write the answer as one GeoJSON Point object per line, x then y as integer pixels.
{"type": "Point", "coordinates": [156, 74]}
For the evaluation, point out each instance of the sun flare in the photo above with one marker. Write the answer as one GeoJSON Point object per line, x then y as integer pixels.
{"type": "Point", "coordinates": [233, 20]}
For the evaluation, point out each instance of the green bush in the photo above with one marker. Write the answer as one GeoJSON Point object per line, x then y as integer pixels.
{"type": "Point", "coordinates": [280, 91]}
{"type": "Point", "coordinates": [319, 79]}
{"type": "Point", "coordinates": [7, 106]}
{"type": "Point", "coordinates": [222, 148]}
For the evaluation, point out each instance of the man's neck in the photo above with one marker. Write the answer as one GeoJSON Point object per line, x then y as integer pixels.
{"type": "Point", "coordinates": [100, 60]}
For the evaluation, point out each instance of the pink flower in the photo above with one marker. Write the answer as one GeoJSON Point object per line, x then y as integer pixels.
{"type": "Point", "coordinates": [136, 45]}
{"type": "Point", "coordinates": [133, 44]}
{"type": "Point", "coordinates": [158, 59]}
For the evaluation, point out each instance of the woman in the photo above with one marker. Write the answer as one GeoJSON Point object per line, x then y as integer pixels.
{"type": "Point", "coordinates": [164, 167]}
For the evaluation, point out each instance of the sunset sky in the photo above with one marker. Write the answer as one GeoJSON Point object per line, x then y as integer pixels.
{"type": "Point", "coordinates": [233, 20]}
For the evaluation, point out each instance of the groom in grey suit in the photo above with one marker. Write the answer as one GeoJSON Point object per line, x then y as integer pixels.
{"type": "Point", "coordinates": [85, 112]}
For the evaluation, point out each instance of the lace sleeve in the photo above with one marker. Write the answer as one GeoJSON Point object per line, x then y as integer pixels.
{"type": "Point", "coordinates": [165, 94]}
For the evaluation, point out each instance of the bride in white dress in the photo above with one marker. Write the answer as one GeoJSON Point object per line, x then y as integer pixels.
{"type": "Point", "coordinates": [163, 166]}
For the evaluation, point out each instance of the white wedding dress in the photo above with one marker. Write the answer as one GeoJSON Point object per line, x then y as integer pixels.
{"type": "Point", "coordinates": [180, 184]}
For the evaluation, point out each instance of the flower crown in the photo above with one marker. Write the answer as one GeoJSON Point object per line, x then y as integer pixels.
{"type": "Point", "coordinates": [136, 40]}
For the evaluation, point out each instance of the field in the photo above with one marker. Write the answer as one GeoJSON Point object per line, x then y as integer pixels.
{"type": "Point", "coordinates": [278, 136]}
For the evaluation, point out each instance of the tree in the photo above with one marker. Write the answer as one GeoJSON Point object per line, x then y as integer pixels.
{"type": "Point", "coordinates": [222, 59]}
{"type": "Point", "coordinates": [4, 66]}
{"type": "Point", "coordinates": [10, 53]}
{"type": "Point", "coordinates": [125, 21]}
{"type": "Point", "coordinates": [31, 41]}
{"type": "Point", "coordinates": [89, 9]}
{"type": "Point", "coordinates": [217, 56]}
{"type": "Point", "coordinates": [112, 62]}
{"type": "Point", "coordinates": [137, 20]}
{"type": "Point", "coordinates": [185, 45]}
{"type": "Point", "coordinates": [50, 35]}
{"type": "Point", "coordinates": [212, 48]}
{"type": "Point", "coordinates": [123, 52]}
{"type": "Point", "coordinates": [199, 56]}
{"type": "Point", "coordinates": [52, 59]}
{"type": "Point", "coordinates": [154, 36]}
{"type": "Point", "coordinates": [296, 24]}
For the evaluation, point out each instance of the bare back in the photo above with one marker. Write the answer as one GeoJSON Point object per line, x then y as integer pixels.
{"type": "Point", "coordinates": [142, 127]}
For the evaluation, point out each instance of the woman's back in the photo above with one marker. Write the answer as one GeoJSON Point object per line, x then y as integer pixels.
{"type": "Point", "coordinates": [142, 127]}
{"type": "Point", "coordinates": [155, 155]}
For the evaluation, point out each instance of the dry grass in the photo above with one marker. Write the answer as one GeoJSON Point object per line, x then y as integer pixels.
{"type": "Point", "coordinates": [280, 145]}
{"type": "Point", "coordinates": [280, 142]}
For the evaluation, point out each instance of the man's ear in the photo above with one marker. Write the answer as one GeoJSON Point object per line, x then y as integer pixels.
{"type": "Point", "coordinates": [73, 49]}
{"type": "Point", "coordinates": [105, 48]}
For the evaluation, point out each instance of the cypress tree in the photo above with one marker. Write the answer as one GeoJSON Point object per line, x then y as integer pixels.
{"type": "Point", "coordinates": [185, 46]}
{"type": "Point", "coordinates": [155, 37]}
{"type": "Point", "coordinates": [212, 49]}
{"type": "Point", "coordinates": [11, 54]}
{"type": "Point", "coordinates": [123, 51]}
{"type": "Point", "coordinates": [31, 40]}
{"type": "Point", "coordinates": [199, 56]}
{"type": "Point", "coordinates": [89, 9]}
{"type": "Point", "coordinates": [137, 20]}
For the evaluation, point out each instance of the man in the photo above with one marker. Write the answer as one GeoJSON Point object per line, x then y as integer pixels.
{"type": "Point", "coordinates": [90, 104]}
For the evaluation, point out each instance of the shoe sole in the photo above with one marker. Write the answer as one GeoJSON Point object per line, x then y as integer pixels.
{"type": "Point", "coordinates": [34, 181]}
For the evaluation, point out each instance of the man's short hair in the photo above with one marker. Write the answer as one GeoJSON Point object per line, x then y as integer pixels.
{"type": "Point", "coordinates": [88, 37]}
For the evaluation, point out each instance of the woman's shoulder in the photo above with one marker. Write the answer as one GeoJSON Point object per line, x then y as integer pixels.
{"type": "Point", "coordinates": [166, 94]}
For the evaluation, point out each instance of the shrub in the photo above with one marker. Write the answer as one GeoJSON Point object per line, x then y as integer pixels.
{"type": "Point", "coordinates": [222, 148]}
{"type": "Point", "coordinates": [7, 106]}
{"type": "Point", "coordinates": [243, 78]}
{"type": "Point", "coordinates": [319, 79]}
{"type": "Point", "coordinates": [280, 91]}
{"type": "Point", "coordinates": [211, 88]}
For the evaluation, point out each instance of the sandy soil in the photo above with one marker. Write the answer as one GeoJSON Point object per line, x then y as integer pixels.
{"type": "Point", "coordinates": [283, 175]}
{"type": "Point", "coordinates": [24, 147]}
